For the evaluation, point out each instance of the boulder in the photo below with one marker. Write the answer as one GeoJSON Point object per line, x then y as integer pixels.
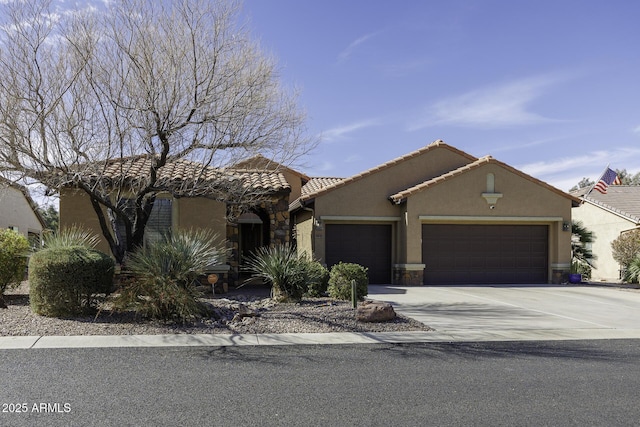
{"type": "Point", "coordinates": [375, 311]}
{"type": "Point", "coordinates": [243, 312]}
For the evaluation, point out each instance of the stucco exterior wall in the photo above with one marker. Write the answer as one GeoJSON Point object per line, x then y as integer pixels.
{"type": "Point", "coordinates": [304, 233]}
{"type": "Point", "coordinates": [368, 196]}
{"type": "Point", "coordinates": [606, 226]}
{"type": "Point", "coordinates": [460, 200]}
{"type": "Point", "coordinates": [295, 182]}
{"type": "Point", "coordinates": [199, 212]}
{"type": "Point", "coordinates": [16, 212]}
{"type": "Point", "coordinates": [76, 209]}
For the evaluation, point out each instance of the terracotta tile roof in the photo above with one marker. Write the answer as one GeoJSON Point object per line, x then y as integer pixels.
{"type": "Point", "coordinates": [621, 199]}
{"type": "Point", "coordinates": [318, 183]}
{"type": "Point", "coordinates": [259, 161]}
{"type": "Point", "coordinates": [179, 172]}
{"type": "Point", "coordinates": [436, 144]}
{"type": "Point", "coordinates": [260, 179]}
{"type": "Point", "coordinates": [403, 195]}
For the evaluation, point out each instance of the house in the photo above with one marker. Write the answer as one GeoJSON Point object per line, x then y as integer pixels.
{"type": "Point", "coordinates": [434, 216]}
{"type": "Point", "coordinates": [607, 216]}
{"type": "Point", "coordinates": [19, 212]}
{"type": "Point", "coordinates": [265, 222]}
{"type": "Point", "coordinates": [439, 216]}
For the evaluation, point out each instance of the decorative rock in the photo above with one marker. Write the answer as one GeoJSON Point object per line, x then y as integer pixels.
{"type": "Point", "coordinates": [245, 311]}
{"type": "Point", "coordinates": [375, 311]}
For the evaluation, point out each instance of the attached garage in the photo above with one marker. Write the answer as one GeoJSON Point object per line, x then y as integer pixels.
{"type": "Point", "coordinates": [366, 244]}
{"type": "Point", "coordinates": [485, 254]}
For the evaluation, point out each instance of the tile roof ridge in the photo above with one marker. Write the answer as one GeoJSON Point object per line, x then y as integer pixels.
{"type": "Point", "coordinates": [435, 144]}
{"type": "Point", "coordinates": [399, 197]}
{"type": "Point", "coordinates": [278, 166]}
{"type": "Point", "coordinates": [402, 195]}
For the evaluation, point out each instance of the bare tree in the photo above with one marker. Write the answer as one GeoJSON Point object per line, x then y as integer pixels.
{"type": "Point", "coordinates": [86, 94]}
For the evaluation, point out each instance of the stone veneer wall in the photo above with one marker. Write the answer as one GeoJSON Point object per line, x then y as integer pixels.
{"type": "Point", "coordinates": [279, 231]}
{"type": "Point", "coordinates": [408, 276]}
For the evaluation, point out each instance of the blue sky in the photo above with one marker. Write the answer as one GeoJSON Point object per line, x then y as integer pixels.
{"type": "Point", "coordinates": [549, 87]}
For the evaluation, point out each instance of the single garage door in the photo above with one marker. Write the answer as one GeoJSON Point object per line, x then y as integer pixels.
{"type": "Point", "coordinates": [484, 254]}
{"type": "Point", "coordinates": [366, 244]}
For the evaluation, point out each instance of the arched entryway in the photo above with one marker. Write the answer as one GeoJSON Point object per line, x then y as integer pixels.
{"type": "Point", "coordinates": [254, 232]}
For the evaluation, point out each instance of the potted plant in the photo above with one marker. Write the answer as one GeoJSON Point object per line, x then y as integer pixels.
{"type": "Point", "coordinates": [575, 276]}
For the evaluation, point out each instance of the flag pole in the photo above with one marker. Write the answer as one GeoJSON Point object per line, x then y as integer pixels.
{"type": "Point", "coordinates": [596, 183]}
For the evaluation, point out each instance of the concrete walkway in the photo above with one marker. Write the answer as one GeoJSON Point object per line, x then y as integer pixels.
{"type": "Point", "coordinates": [457, 313]}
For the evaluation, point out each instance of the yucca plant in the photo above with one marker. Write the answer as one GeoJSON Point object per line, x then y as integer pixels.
{"type": "Point", "coordinates": [281, 266]}
{"type": "Point", "coordinates": [164, 275]}
{"type": "Point", "coordinates": [70, 237]}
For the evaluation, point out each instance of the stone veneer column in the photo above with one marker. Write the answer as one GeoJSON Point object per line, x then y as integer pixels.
{"type": "Point", "coordinates": [408, 274]}
{"type": "Point", "coordinates": [279, 232]}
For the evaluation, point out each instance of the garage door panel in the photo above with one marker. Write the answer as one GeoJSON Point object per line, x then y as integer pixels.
{"type": "Point", "coordinates": [366, 244]}
{"type": "Point", "coordinates": [484, 254]}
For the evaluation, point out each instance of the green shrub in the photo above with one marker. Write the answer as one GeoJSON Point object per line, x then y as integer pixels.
{"type": "Point", "coordinates": [64, 281]}
{"type": "Point", "coordinates": [14, 248]}
{"type": "Point", "coordinates": [284, 268]}
{"type": "Point", "coordinates": [626, 248]}
{"type": "Point", "coordinates": [317, 279]}
{"type": "Point", "coordinates": [164, 274]}
{"type": "Point", "coordinates": [340, 281]}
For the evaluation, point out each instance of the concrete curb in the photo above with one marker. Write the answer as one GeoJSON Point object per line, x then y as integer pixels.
{"type": "Point", "coordinates": [334, 338]}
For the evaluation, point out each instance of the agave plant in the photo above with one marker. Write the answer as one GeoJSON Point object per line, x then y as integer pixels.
{"type": "Point", "coordinates": [281, 266]}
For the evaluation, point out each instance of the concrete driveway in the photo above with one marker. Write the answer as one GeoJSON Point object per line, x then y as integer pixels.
{"type": "Point", "coordinates": [519, 312]}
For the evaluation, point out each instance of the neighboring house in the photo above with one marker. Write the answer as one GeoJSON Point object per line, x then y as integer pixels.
{"type": "Point", "coordinates": [265, 223]}
{"type": "Point", "coordinates": [19, 212]}
{"type": "Point", "coordinates": [439, 216]}
{"type": "Point", "coordinates": [607, 216]}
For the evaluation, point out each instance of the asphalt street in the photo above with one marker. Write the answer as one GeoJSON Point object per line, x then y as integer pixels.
{"type": "Point", "coordinates": [580, 383]}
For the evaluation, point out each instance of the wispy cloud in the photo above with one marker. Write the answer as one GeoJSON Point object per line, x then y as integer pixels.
{"type": "Point", "coordinates": [637, 130]}
{"type": "Point", "coordinates": [566, 172]}
{"type": "Point", "coordinates": [348, 51]}
{"type": "Point", "coordinates": [519, 144]}
{"type": "Point", "coordinates": [341, 132]}
{"type": "Point", "coordinates": [502, 105]}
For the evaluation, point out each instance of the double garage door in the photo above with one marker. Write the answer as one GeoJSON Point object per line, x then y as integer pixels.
{"type": "Point", "coordinates": [452, 253]}
{"type": "Point", "coordinates": [484, 254]}
{"type": "Point", "coordinates": [366, 244]}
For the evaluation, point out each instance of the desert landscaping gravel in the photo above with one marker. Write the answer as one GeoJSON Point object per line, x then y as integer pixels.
{"type": "Point", "coordinates": [233, 314]}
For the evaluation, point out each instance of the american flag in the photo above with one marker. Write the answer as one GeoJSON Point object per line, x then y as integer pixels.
{"type": "Point", "coordinates": [608, 178]}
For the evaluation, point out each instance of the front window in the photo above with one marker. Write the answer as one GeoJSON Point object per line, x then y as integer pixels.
{"type": "Point", "coordinates": [159, 222]}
